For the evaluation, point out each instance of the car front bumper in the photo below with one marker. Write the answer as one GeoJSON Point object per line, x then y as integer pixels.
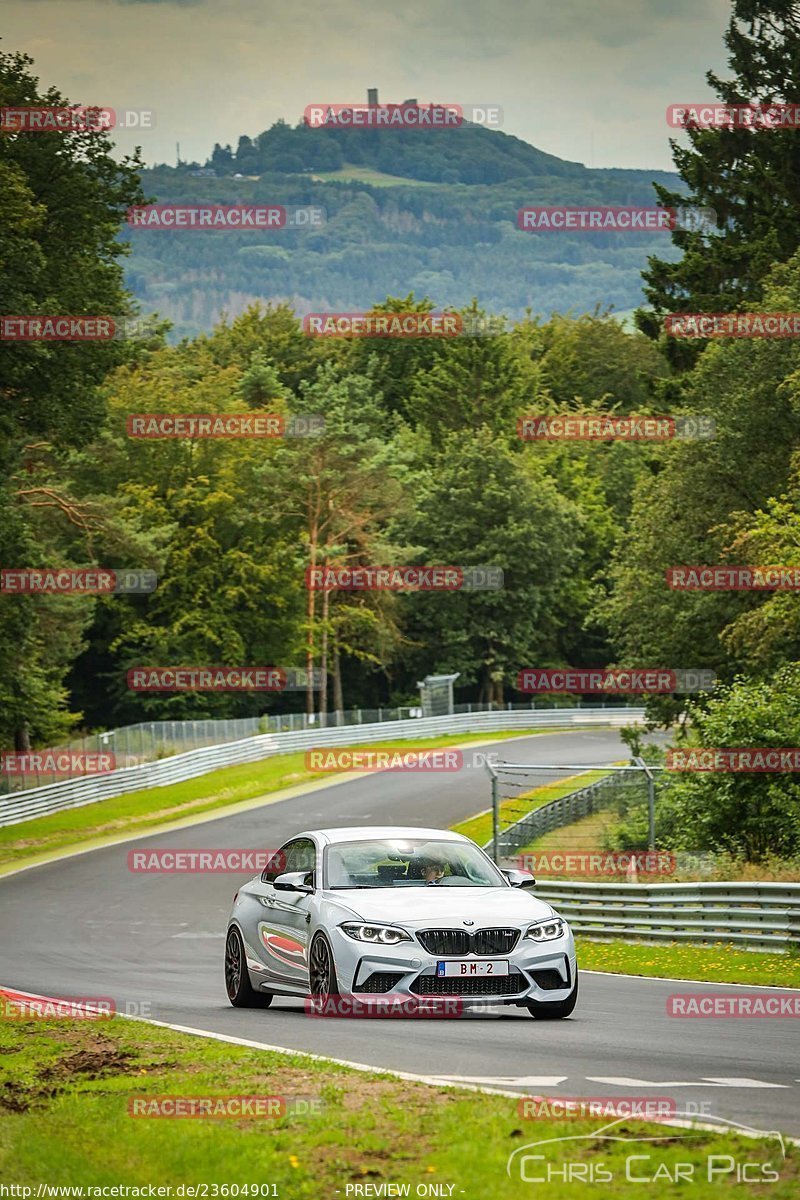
{"type": "Point", "coordinates": [537, 971]}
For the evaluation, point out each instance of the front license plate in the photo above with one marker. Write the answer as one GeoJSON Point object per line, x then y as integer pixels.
{"type": "Point", "coordinates": [492, 966]}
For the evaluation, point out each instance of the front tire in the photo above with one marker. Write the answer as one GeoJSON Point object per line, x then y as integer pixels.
{"type": "Point", "coordinates": [322, 972]}
{"type": "Point", "coordinates": [554, 1010]}
{"type": "Point", "coordinates": [241, 992]}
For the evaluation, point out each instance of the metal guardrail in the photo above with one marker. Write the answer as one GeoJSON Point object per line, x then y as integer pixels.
{"type": "Point", "coordinates": [757, 916]}
{"type": "Point", "coordinates": [149, 741]}
{"type": "Point", "coordinates": [74, 793]}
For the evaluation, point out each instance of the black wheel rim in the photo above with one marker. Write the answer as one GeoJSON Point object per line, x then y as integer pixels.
{"type": "Point", "coordinates": [233, 963]}
{"type": "Point", "coordinates": [320, 969]}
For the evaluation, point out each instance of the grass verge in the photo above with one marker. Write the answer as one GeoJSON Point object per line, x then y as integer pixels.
{"type": "Point", "coordinates": [66, 1088]}
{"type": "Point", "coordinates": [152, 807]}
{"type": "Point", "coordinates": [717, 963]}
{"type": "Point", "coordinates": [586, 836]}
{"type": "Point", "coordinates": [479, 827]}
{"type": "Point", "coordinates": [351, 173]}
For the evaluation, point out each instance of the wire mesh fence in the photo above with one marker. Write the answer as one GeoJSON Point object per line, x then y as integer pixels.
{"type": "Point", "coordinates": [592, 821]}
{"type": "Point", "coordinates": [114, 749]}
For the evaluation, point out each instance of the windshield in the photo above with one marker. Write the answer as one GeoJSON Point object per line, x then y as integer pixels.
{"type": "Point", "coordinates": [408, 863]}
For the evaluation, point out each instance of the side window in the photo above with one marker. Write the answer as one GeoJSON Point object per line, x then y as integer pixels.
{"type": "Point", "coordinates": [297, 855]}
{"type": "Point", "coordinates": [301, 855]}
{"type": "Point", "coordinates": [275, 866]}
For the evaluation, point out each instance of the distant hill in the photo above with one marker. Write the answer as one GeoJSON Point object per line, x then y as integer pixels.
{"type": "Point", "coordinates": [467, 154]}
{"type": "Point", "coordinates": [431, 212]}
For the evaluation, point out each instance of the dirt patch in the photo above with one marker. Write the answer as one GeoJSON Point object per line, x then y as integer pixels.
{"type": "Point", "coordinates": [14, 1099]}
{"type": "Point", "coordinates": [367, 1090]}
{"type": "Point", "coordinates": [406, 1141]}
{"type": "Point", "coordinates": [353, 1092]}
{"type": "Point", "coordinates": [76, 1032]}
{"type": "Point", "coordinates": [289, 1080]}
{"type": "Point", "coordinates": [101, 1059]}
{"type": "Point", "coordinates": [92, 1064]}
{"type": "Point", "coordinates": [374, 1164]}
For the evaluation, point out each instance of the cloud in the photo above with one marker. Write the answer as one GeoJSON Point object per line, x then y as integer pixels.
{"type": "Point", "coordinates": [163, 3]}
{"type": "Point", "coordinates": [586, 82]}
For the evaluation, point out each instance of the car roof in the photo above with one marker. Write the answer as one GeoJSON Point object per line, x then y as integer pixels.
{"type": "Point", "coordinates": [355, 833]}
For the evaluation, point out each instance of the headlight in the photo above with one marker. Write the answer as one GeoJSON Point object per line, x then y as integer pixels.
{"type": "Point", "coordinates": [384, 935]}
{"type": "Point", "coordinates": [546, 931]}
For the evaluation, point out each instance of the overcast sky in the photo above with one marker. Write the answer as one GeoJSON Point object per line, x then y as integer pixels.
{"type": "Point", "coordinates": [586, 80]}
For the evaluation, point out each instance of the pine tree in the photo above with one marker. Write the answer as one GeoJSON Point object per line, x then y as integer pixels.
{"type": "Point", "coordinates": [750, 177]}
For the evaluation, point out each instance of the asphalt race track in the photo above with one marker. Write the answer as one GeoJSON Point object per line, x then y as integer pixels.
{"type": "Point", "coordinates": [87, 926]}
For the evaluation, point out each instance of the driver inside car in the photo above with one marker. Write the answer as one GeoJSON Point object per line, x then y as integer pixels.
{"type": "Point", "coordinates": [431, 868]}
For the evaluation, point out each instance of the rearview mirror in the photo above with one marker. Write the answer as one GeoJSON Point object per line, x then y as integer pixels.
{"type": "Point", "coordinates": [293, 881]}
{"type": "Point", "coordinates": [520, 879]}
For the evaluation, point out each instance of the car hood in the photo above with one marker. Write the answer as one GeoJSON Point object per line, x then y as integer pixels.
{"type": "Point", "coordinates": [446, 906]}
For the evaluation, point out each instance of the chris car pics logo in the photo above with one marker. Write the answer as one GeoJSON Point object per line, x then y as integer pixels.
{"type": "Point", "coordinates": [613, 1155]}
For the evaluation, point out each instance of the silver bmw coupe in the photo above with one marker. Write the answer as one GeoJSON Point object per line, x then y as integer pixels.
{"type": "Point", "coordinates": [416, 913]}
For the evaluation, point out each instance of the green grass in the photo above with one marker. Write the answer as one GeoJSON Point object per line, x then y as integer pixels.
{"type": "Point", "coordinates": [586, 835]}
{"type": "Point", "coordinates": [152, 807]}
{"type": "Point", "coordinates": [717, 963]}
{"type": "Point", "coordinates": [358, 174]}
{"type": "Point", "coordinates": [479, 827]}
{"type": "Point", "coordinates": [65, 1088]}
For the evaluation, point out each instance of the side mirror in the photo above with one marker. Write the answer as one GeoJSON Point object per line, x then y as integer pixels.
{"type": "Point", "coordinates": [293, 881]}
{"type": "Point", "coordinates": [520, 879]}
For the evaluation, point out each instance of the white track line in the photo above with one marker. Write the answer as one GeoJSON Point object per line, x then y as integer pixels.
{"type": "Point", "coordinates": [761, 987]}
{"type": "Point", "coordinates": [428, 1080]}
